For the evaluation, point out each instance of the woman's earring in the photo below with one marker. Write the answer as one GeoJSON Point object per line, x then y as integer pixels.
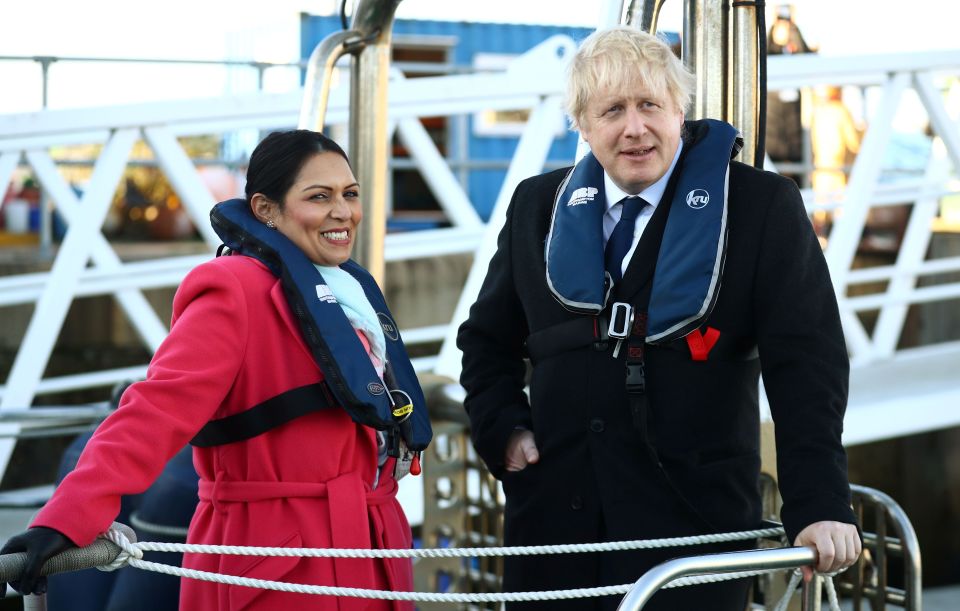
{"type": "Point", "coordinates": [271, 225]}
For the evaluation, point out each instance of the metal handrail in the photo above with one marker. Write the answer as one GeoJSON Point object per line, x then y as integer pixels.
{"type": "Point", "coordinates": [316, 88]}
{"type": "Point", "coordinates": [905, 545]}
{"type": "Point", "coordinates": [751, 560]}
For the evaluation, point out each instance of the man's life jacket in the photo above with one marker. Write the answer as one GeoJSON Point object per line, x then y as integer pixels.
{"type": "Point", "coordinates": [395, 404]}
{"type": "Point", "coordinates": [689, 265]}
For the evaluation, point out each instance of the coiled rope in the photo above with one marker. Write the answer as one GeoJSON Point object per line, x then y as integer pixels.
{"type": "Point", "coordinates": [132, 554]}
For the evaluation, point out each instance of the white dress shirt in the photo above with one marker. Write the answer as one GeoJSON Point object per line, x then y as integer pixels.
{"type": "Point", "coordinates": [651, 195]}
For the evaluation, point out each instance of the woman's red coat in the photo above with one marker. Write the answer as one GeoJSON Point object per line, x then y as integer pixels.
{"type": "Point", "coordinates": [233, 344]}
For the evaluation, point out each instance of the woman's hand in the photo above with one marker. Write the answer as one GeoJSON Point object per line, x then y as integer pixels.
{"type": "Point", "coordinates": [40, 544]}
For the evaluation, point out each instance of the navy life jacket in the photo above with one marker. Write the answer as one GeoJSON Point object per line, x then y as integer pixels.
{"type": "Point", "coordinates": [350, 380]}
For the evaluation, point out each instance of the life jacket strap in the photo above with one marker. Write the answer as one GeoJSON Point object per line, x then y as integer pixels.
{"type": "Point", "coordinates": [584, 331]}
{"type": "Point", "coordinates": [264, 416]}
{"type": "Point", "coordinates": [569, 335]}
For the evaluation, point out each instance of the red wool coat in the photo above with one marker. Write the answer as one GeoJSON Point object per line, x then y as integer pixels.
{"type": "Point", "coordinates": [233, 344]}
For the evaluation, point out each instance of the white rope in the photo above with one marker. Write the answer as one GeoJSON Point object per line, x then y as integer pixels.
{"type": "Point", "coordinates": [128, 551]}
{"type": "Point", "coordinates": [832, 600]}
{"type": "Point", "coordinates": [438, 597]}
{"type": "Point", "coordinates": [132, 555]}
{"type": "Point", "coordinates": [788, 593]}
{"type": "Point", "coordinates": [448, 552]}
{"type": "Point", "coordinates": [831, 594]}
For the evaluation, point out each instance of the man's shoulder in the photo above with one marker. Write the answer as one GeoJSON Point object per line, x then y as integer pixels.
{"type": "Point", "coordinates": [745, 176]}
{"type": "Point", "coordinates": [547, 181]}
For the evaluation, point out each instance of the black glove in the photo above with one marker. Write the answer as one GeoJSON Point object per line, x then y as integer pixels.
{"type": "Point", "coordinates": [40, 544]}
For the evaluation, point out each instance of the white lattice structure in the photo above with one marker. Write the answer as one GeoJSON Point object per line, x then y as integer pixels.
{"type": "Point", "coordinates": [887, 383]}
{"type": "Point", "coordinates": [532, 82]}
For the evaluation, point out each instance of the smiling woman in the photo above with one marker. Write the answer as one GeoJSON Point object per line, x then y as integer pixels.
{"type": "Point", "coordinates": [320, 211]}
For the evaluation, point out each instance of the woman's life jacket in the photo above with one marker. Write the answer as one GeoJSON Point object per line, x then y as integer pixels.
{"type": "Point", "coordinates": [394, 404]}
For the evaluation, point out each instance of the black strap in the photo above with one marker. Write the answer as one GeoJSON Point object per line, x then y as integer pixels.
{"type": "Point", "coordinates": [265, 416]}
{"type": "Point", "coordinates": [583, 331]}
{"type": "Point", "coordinates": [569, 335]}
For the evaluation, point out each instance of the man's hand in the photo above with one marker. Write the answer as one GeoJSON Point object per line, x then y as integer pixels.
{"type": "Point", "coordinates": [837, 545]}
{"type": "Point", "coordinates": [521, 451]}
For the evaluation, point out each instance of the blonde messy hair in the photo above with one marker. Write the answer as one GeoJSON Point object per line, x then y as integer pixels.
{"type": "Point", "coordinates": [622, 58]}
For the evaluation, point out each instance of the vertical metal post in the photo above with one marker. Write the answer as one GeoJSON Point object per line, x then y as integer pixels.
{"type": "Point", "coordinates": [643, 14]}
{"type": "Point", "coordinates": [811, 594]}
{"type": "Point", "coordinates": [705, 52]}
{"type": "Point", "coordinates": [261, 68]}
{"type": "Point", "coordinates": [45, 78]}
{"type": "Point", "coordinates": [368, 127]}
{"type": "Point", "coordinates": [46, 212]}
{"type": "Point", "coordinates": [744, 57]}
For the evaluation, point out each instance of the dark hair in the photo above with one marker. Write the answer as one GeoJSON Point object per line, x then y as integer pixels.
{"type": "Point", "coordinates": [277, 160]}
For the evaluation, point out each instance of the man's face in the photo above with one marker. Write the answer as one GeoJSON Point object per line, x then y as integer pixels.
{"type": "Point", "coordinates": [633, 133]}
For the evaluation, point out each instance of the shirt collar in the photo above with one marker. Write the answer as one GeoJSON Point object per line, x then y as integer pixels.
{"type": "Point", "coordinates": [651, 194]}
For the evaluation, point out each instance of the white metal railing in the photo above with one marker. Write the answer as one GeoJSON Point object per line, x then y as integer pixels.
{"type": "Point", "coordinates": [534, 81]}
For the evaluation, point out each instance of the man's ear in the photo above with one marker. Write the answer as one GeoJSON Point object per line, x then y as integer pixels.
{"type": "Point", "coordinates": [263, 207]}
{"type": "Point", "coordinates": [584, 133]}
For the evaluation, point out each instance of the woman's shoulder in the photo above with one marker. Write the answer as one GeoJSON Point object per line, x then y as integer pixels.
{"type": "Point", "coordinates": [246, 268]}
{"type": "Point", "coordinates": [235, 271]}
{"type": "Point", "coordinates": [231, 280]}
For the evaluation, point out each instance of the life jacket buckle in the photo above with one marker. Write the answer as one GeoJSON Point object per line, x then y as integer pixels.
{"type": "Point", "coordinates": [636, 379]}
{"type": "Point", "coordinates": [621, 320]}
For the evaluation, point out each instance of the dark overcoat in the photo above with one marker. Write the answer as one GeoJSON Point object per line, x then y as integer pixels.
{"type": "Point", "coordinates": [599, 478]}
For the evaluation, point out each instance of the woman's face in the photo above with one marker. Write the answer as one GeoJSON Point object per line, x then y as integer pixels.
{"type": "Point", "coordinates": [322, 209]}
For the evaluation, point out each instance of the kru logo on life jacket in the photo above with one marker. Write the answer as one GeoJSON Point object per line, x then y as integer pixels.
{"type": "Point", "coordinates": [698, 198]}
{"type": "Point", "coordinates": [389, 327]}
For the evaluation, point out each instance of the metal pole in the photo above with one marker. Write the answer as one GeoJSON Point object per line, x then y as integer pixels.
{"type": "Point", "coordinates": [743, 61]}
{"type": "Point", "coordinates": [643, 15]}
{"type": "Point", "coordinates": [811, 594]}
{"type": "Point", "coordinates": [704, 52]}
{"type": "Point", "coordinates": [46, 213]}
{"type": "Point", "coordinates": [662, 574]}
{"type": "Point", "coordinates": [913, 584]}
{"type": "Point", "coordinates": [35, 603]}
{"type": "Point", "coordinates": [316, 87]}
{"type": "Point", "coordinates": [368, 127]}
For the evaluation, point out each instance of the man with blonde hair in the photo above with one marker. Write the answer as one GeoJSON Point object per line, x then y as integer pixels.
{"type": "Point", "coordinates": [649, 286]}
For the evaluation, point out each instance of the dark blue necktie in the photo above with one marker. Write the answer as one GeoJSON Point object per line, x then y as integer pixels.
{"type": "Point", "coordinates": [622, 237]}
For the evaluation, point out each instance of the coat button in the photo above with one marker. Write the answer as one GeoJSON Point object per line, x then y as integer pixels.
{"type": "Point", "coordinates": [576, 503]}
{"type": "Point", "coordinates": [597, 425]}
